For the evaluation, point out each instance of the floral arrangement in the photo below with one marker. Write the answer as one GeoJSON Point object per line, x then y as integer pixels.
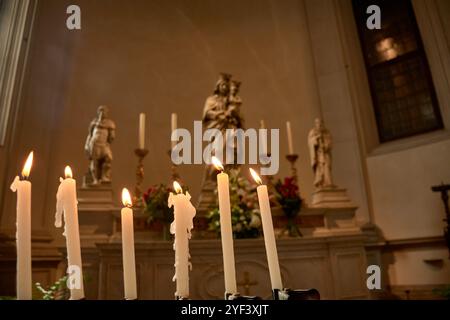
{"type": "Point", "coordinates": [156, 206]}
{"type": "Point", "coordinates": [58, 291]}
{"type": "Point", "coordinates": [245, 217]}
{"type": "Point", "coordinates": [288, 196]}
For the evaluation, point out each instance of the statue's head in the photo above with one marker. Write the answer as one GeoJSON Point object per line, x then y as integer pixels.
{"type": "Point", "coordinates": [223, 84]}
{"type": "Point", "coordinates": [318, 124]}
{"type": "Point", "coordinates": [102, 112]}
{"type": "Point", "coordinates": [234, 87]}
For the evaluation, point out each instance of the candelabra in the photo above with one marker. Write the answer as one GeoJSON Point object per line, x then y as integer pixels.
{"type": "Point", "coordinates": [292, 158]}
{"type": "Point", "coordinates": [269, 178]}
{"type": "Point", "coordinates": [174, 172]}
{"type": "Point", "coordinates": [137, 200]}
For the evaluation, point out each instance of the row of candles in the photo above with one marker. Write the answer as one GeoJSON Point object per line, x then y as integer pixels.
{"type": "Point", "coordinates": [67, 204]}
{"type": "Point", "coordinates": [174, 126]}
{"type": "Point", "coordinates": [67, 207]}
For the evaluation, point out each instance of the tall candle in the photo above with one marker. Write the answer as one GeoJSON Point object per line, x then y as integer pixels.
{"type": "Point", "coordinates": [263, 139]}
{"type": "Point", "coordinates": [67, 203]}
{"type": "Point", "coordinates": [174, 125]}
{"type": "Point", "coordinates": [142, 131]}
{"type": "Point", "coordinates": [226, 230]}
{"type": "Point", "coordinates": [129, 262]}
{"type": "Point", "coordinates": [289, 136]}
{"type": "Point", "coordinates": [23, 235]}
{"type": "Point", "coordinates": [262, 124]}
{"type": "Point", "coordinates": [269, 234]}
{"type": "Point", "coordinates": [181, 227]}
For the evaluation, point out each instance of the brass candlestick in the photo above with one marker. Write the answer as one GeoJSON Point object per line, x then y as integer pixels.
{"type": "Point", "coordinates": [292, 158]}
{"type": "Point", "coordinates": [137, 199]}
{"type": "Point", "coordinates": [174, 172]}
{"type": "Point", "coordinates": [269, 178]}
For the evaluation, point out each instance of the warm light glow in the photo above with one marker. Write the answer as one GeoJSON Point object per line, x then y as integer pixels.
{"type": "Point", "coordinates": [216, 162]}
{"type": "Point", "coordinates": [27, 167]}
{"type": "Point", "coordinates": [68, 172]}
{"type": "Point", "coordinates": [255, 176]}
{"type": "Point", "coordinates": [126, 198]}
{"type": "Point", "coordinates": [177, 187]}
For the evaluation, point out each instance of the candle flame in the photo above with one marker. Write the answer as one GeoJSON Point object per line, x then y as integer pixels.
{"type": "Point", "coordinates": [27, 167]}
{"type": "Point", "coordinates": [177, 187]}
{"type": "Point", "coordinates": [216, 162]}
{"type": "Point", "coordinates": [68, 172]}
{"type": "Point", "coordinates": [126, 198]}
{"type": "Point", "coordinates": [255, 176]}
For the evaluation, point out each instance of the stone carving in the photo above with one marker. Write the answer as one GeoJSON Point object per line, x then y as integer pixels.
{"type": "Point", "coordinates": [222, 111]}
{"type": "Point", "coordinates": [98, 148]}
{"type": "Point", "coordinates": [320, 145]}
{"type": "Point", "coordinates": [222, 108]}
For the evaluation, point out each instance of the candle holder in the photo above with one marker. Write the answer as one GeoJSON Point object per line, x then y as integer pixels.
{"type": "Point", "coordinates": [173, 169]}
{"type": "Point", "coordinates": [137, 199]}
{"type": "Point", "coordinates": [292, 158]}
{"type": "Point", "coordinates": [269, 178]}
{"type": "Point", "coordinates": [237, 297]}
{"type": "Point", "coordinates": [289, 294]}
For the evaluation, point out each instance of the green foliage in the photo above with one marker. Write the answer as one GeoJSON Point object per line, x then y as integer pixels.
{"type": "Point", "coordinates": [445, 293]}
{"type": "Point", "coordinates": [245, 217]}
{"type": "Point", "coordinates": [57, 291]}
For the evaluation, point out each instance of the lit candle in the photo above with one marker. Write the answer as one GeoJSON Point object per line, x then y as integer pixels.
{"type": "Point", "coordinates": [289, 136]}
{"type": "Point", "coordinates": [226, 230]}
{"type": "Point", "coordinates": [66, 202]}
{"type": "Point", "coordinates": [174, 127]}
{"type": "Point", "coordinates": [181, 227]}
{"type": "Point", "coordinates": [129, 263]}
{"type": "Point", "coordinates": [23, 189]}
{"type": "Point", "coordinates": [142, 131]}
{"type": "Point", "coordinates": [269, 235]}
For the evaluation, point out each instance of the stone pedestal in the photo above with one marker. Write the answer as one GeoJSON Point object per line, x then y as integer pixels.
{"type": "Point", "coordinates": [331, 198]}
{"type": "Point", "coordinates": [95, 206]}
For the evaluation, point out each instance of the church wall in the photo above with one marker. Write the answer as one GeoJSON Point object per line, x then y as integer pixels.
{"type": "Point", "coordinates": [158, 58]}
{"type": "Point", "coordinates": [397, 177]}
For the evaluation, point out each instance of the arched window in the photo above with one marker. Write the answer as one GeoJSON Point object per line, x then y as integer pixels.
{"type": "Point", "coordinates": [403, 94]}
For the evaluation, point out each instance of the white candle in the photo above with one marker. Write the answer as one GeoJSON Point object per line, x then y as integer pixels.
{"type": "Point", "coordinates": [181, 227]}
{"type": "Point", "coordinates": [289, 136]}
{"type": "Point", "coordinates": [269, 234]}
{"type": "Point", "coordinates": [174, 127]}
{"type": "Point", "coordinates": [142, 131]}
{"type": "Point", "coordinates": [226, 230]}
{"type": "Point", "coordinates": [262, 124]}
{"type": "Point", "coordinates": [67, 203]}
{"type": "Point", "coordinates": [129, 262]}
{"type": "Point", "coordinates": [263, 138]}
{"type": "Point", "coordinates": [23, 236]}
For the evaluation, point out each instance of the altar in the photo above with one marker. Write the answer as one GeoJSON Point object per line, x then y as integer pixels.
{"type": "Point", "coordinates": [334, 265]}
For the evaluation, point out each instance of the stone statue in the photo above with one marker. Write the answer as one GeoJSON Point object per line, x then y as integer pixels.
{"type": "Point", "coordinates": [98, 148]}
{"type": "Point", "coordinates": [222, 108]}
{"type": "Point", "coordinates": [320, 144]}
{"type": "Point", "coordinates": [221, 111]}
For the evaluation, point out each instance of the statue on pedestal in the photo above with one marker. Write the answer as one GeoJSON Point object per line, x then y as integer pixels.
{"type": "Point", "coordinates": [320, 145]}
{"type": "Point", "coordinates": [326, 194]}
{"type": "Point", "coordinates": [222, 112]}
{"type": "Point", "coordinates": [98, 148]}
